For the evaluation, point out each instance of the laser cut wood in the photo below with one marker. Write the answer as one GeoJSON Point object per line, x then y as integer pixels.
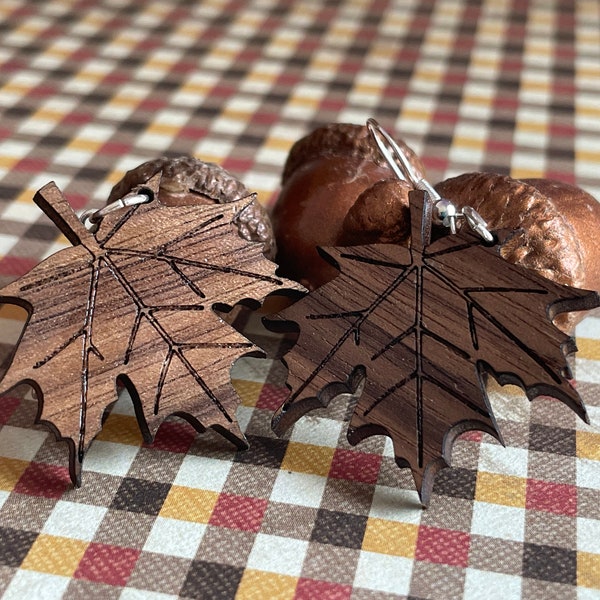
{"type": "Point", "coordinates": [415, 332]}
{"type": "Point", "coordinates": [133, 302]}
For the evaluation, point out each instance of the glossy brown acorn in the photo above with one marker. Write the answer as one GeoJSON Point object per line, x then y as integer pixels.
{"type": "Point", "coordinates": [337, 190]}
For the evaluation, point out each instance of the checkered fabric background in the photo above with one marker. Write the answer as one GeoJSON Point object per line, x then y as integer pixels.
{"type": "Point", "coordinates": [91, 88]}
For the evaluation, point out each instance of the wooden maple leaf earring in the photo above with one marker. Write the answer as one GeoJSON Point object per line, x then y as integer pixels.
{"type": "Point", "coordinates": [415, 331]}
{"type": "Point", "coordinates": [132, 301]}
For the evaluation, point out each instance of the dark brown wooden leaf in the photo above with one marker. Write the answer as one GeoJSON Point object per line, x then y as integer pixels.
{"type": "Point", "coordinates": [133, 302]}
{"type": "Point", "coordinates": [414, 332]}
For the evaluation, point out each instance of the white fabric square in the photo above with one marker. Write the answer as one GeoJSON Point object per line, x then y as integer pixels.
{"type": "Point", "coordinates": [96, 132]}
{"type": "Point", "coordinates": [396, 504]}
{"type": "Point", "coordinates": [256, 86]}
{"type": "Point", "coordinates": [243, 414]}
{"type": "Point", "coordinates": [287, 131]}
{"type": "Point", "coordinates": [110, 458]}
{"type": "Point", "coordinates": [587, 370]}
{"type": "Point", "coordinates": [16, 148]}
{"type": "Point", "coordinates": [261, 181]}
{"type": "Point", "coordinates": [298, 488]}
{"type": "Point", "coordinates": [7, 243]}
{"type": "Point", "coordinates": [533, 162]}
{"type": "Point", "coordinates": [74, 520]}
{"type": "Point", "coordinates": [496, 458]}
{"type": "Point", "coordinates": [203, 473]}
{"type": "Point", "coordinates": [277, 554]}
{"type": "Point", "coordinates": [491, 586]}
{"type": "Point", "coordinates": [388, 447]}
{"type": "Point", "coordinates": [594, 415]}
{"type": "Point", "coordinates": [364, 99]}
{"type": "Point", "coordinates": [172, 118]}
{"type": "Point", "coordinates": [316, 91]}
{"type": "Point", "coordinates": [509, 403]}
{"type": "Point", "coordinates": [586, 593]}
{"type": "Point", "coordinates": [214, 147]}
{"type": "Point", "coordinates": [152, 139]}
{"type": "Point", "coordinates": [588, 535]}
{"type": "Point", "coordinates": [495, 520]}
{"type": "Point", "coordinates": [271, 156]}
{"type": "Point", "coordinates": [124, 405]}
{"type": "Point", "coordinates": [229, 125]}
{"type": "Point", "coordinates": [298, 111]}
{"type": "Point", "coordinates": [116, 112]}
{"type": "Point", "coordinates": [318, 431]}
{"type": "Point", "coordinates": [466, 154]}
{"type": "Point", "coordinates": [588, 473]}
{"type": "Point", "coordinates": [174, 537]}
{"type": "Point", "coordinates": [54, 248]}
{"type": "Point", "coordinates": [383, 573]}
{"type": "Point", "coordinates": [23, 212]}
{"type": "Point", "coordinates": [39, 180]}
{"type": "Point", "coordinates": [37, 126]}
{"type": "Point", "coordinates": [187, 98]}
{"type": "Point", "coordinates": [589, 327]}
{"type": "Point", "coordinates": [31, 584]}
{"type": "Point", "coordinates": [249, 368]}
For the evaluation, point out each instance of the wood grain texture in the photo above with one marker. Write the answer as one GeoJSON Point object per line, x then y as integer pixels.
{"type": "Point", "coordinates": [415, 332]}
{"type": "Point", "coordinates": [133, 302]}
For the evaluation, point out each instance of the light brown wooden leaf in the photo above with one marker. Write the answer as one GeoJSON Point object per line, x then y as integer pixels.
{"type": "Point", "coordinates": [133, 303]}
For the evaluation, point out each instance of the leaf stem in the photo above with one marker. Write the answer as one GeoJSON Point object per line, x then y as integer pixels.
{"type": "Point", "coordinates": [53, 203]}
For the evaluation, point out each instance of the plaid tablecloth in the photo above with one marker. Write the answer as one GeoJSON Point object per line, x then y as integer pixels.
{"type": "Point", "coordinates": [89, 89]}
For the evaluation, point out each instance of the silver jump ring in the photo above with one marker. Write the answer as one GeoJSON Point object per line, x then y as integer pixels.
{"type": "Point", "coordinates": [91, 218]}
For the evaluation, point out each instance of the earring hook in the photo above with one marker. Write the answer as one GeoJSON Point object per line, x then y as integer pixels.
{"type": "Point", "coordinates": [404, 170]}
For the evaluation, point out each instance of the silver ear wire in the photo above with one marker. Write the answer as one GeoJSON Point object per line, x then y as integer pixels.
{"type": "Point", "coordinates": [446, 212]}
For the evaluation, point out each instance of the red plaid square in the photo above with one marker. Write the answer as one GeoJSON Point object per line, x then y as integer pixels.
{"type": "Point", "coordinates": [39, 479]}
{"type": "Point", "coordinates": [558, 498]}
{"type": "Point", "coordinates": [107, 564]}
{"type": "Point", "coordinates": [174, 437]}
{"type": "Point", "coordinates": [472, 436]}
{"type": "Point", "coordinates": [271, 397]}
{"type": "Point", "coordinates": [239, 512]}
{"type": "Point", "coordinates": [32, 165]}
{"type": "Point", "coordinates": [443, 546]}
{"type": "Point", "coordinates": [16, 266]}
{"type": "Point", "coordinates": [8, 404]}
{"type": "Point", "coordinates": [307, 589]}
{"type": "Point", "coordinates": [355, 466]}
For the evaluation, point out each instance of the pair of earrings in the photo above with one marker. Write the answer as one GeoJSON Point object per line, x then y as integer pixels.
{"type": "Point", "coordinates": [413, 331]}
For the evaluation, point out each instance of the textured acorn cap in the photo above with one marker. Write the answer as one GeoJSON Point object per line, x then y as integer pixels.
{"type": "Point", "coordinates": [187, 180]}
{"type": "Point", "coordinates": [557, 225]}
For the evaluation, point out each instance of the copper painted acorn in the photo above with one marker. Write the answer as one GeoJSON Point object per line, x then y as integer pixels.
{"type": "Point", "coordinates": [557, 225]}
